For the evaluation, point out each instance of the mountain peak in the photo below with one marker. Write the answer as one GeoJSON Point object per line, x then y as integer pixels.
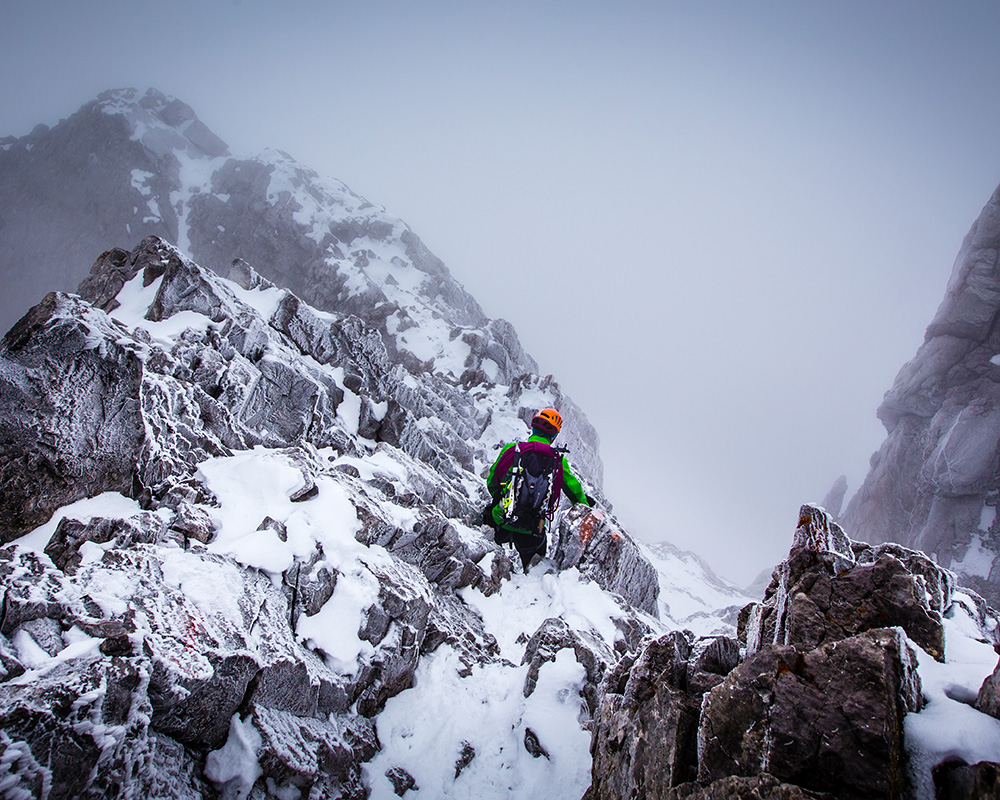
{"type": "Point", "coordinates": [161, 122]}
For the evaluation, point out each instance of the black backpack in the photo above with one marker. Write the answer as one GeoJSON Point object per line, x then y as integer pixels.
{"type": "Point", "coordinates": [528, 491]}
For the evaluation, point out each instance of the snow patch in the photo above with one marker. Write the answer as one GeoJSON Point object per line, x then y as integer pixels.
{"type": "Point", "coordinates": [978, 560]}
{"type": "Point", "coordinates": [947, 727]}
{"type": "Point", "coordinates": [236, 762]}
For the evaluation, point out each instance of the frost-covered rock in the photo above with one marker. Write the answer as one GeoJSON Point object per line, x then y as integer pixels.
{"type": "Point", "coordinates": [933, 485]}
{"type": "Point", "coordinates": [644, 734]}
{"type": "Point", "coordinates": [156, 170]}
{"type": "Point", "coordinates": [72, 422]}
{"type": "Point", "coordinates": [828, 590]}
{"type": "Point", "coordinates": [854, 680]}
{"type": "Point", "coordinates": [247, 542]}
{"type": "Point", "coordinates": [592, 541]}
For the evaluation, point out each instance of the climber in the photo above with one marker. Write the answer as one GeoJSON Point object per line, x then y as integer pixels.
{"type": "Point", "coordinates": [524, 485]}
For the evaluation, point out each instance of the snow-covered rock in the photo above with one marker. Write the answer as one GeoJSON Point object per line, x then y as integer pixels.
{"type": "Point", "coordinates": [854, 677]}
{"type": "Point", "coordinates": [129, 165]}
{"type": "Point", "coordinates": [239, 554]}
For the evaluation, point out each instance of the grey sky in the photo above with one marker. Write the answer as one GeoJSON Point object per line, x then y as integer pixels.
{"type": "Point", "coordinates": [723, 226]}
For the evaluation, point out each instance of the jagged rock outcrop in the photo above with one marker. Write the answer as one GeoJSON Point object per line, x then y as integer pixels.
{"type": "Point", "coordinates": [813, 706]}
{"type": "Point", "coordinates": [934, 484]}
{"type": "Point", "coordinates": [233, 538]}
{"type": "Point", "coordinates": [591, 541]}
{"type": "Point", "coordinates": [645, 734]}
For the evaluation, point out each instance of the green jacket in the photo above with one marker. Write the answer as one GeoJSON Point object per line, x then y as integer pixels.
{"type": "Point", "coordinates": [570, 483]}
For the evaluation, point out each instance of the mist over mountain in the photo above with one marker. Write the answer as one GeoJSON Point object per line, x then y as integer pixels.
{"type": "Point", "coordinates": [130, 165]}
{"type": "Point", "coordinates": [935, 482]}
{"type": "Point", "coordinates": [242, 551]}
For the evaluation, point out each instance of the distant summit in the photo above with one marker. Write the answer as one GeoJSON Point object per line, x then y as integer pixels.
{"type": "Point", "coordinates": [130, 165]}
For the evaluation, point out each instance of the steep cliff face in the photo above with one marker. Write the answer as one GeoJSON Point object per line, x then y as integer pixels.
{"type": "Point", "coordinates": [935, 482]}
{"type": "Point", "coordinates": [129, 165]}
{"type": "Point", "coordinates": [242, 557]}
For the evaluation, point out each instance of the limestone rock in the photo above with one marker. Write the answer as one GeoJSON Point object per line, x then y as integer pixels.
{"type": "Point", "coordinates": [759, 787]}
{"type": "Point", "coordinates": [592, 541]}
{"type": "Point", "coordinates": [988, 700]}
{"type": "Point", "coordinates": [71, 366]}
{"type": "Point", "coordinates": [645, 730]}
{"type": "Point", "coordinates": [933, 484]}
{"type": "Point", "coordinates": [956, 781]}
{"type": "Point", "coordinates": [777, 710]}
{"type": "Point", "coordinates": [821, 593]}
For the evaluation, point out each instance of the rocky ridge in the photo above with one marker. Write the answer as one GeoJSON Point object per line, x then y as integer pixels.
{"type": "Point", "coordinates": [231, 540]}
{"type": "Point", "coordinates": [820, 695]}
{"type": "Point", "coordinates": [130, 165]}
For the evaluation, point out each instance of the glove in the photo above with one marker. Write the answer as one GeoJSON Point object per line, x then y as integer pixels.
{"type": "Point", "coordinates": [591, 501]}
{"type": "Point", "coordinates": [488, 517]}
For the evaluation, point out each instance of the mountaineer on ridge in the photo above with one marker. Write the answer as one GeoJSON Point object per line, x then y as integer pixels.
{"type": "Point", "coordinates": [525, 483]}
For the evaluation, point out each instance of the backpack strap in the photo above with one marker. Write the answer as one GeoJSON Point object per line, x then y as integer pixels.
{"type": "Point", "coordinates": [510, 457]}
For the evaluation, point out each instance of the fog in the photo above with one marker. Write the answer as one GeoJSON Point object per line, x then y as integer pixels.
{"type": "Point", "coordinates": [722, 226]}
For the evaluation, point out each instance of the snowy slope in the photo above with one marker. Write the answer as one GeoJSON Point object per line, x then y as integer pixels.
{"type": "Point", "coordinates": [692, 597]}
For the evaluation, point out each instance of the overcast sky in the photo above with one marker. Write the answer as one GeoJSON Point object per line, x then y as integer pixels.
{"type": "Point", "coordinates": [723, 226]}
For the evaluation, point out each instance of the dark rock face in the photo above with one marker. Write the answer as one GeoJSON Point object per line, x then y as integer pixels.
{"type": "Point", "coordinates": [961, 781]}
{"type": "Point", "coordinates": [828, 590]}
{"type": "Point", "coordinates": [775, 710]}
{"type": "Point", "coordinates": [988, 700]}
{"type": "Point", "coordinates": [813, 703]}
{"type": "Point", "coordinates": [933, 484]}
{"type": "Point", "coordinates": [645, 733]}
{"type": "Point", "coordinates": [760, 787]}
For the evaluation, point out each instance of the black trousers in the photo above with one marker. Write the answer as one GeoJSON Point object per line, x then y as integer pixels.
{"type": "Point", "coordinates": [528, 545]}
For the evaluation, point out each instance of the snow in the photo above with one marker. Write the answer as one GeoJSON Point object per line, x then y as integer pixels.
{"type": "Point", "coordinates": [690, 594]}
{"type": "Point", "coordinates": [237, 760]}
{"type": "Point", "coordinates": [140, 182]}
{"type": "Point", "coordinates": [264, 301]}
{"type": "Point", "coordinates": [135, 300]}
{"type": "Point", "coordinates": [423, 730]}
{"type": "Point", "coordinates": [109, 505]}
{"type": "Point", "coordinates": [526, 601]}
{"type": "Point", "coordinates": [195, 176]}
{"type": "Point", "coordinates": [987, 517]}
{"type": "Point", "coordinates": [333, 630]}
{"type": "Point", "coordinates": [259, 483]}
{"type": "Point", "coordinates": [977, 560]}
{"type": "Point", "coordinates": [40, 663]}
{"type": "Point", "coordinates": [948, 727]}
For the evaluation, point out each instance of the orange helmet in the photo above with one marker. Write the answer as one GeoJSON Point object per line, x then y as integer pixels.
{"type": "Point", "coordinates": [548, 420]}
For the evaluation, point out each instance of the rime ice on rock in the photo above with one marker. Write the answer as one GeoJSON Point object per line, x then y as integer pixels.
{"type": "Point", "coordinates": [300, 517]}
